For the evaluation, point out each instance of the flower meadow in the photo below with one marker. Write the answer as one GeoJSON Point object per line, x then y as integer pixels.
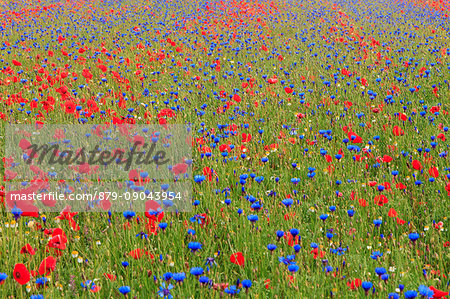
{"type": "Point", "coordinates": [320, 163]}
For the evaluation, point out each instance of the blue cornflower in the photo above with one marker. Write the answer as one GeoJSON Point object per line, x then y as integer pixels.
{"type": "Point", "coordinates": [410, 294]}
{"type": "Point", "coordinates": [339, 251]}
{"type": "Point", "coordinates": [124, 290]}
{"type": "Point", "coordinates": [197, 271]}
{"type": "Point", "coordinates": [293, 268]}
{"type": "Point", "coordinates": [41, 281]}
{"type": "Point", "coordinates": [366, 285]}
{"type": "Point", "coordinates": [165, 292]}
{"type": "Point", "coordinates": [203, 279]}
{"type": "Point", "coordinates": [211, 261]}
{"type": "Point", "coordinates": [246, 283]}
{"type": "Point", "coordinates": [252, 218]}
{"type": "Point", "coordinates": [413, 237]}
{"type": "Point", "coordinates": [377, 222]}
{"type": "Point", "coordinates": [16, 212]}
{"type": "Point", "coordinates": [425, 291]}
{"type": "Point", "coordinates": [376, 254]}
{"type": "Point", "coordinates": [163, 225]}
{"type": "Point", "coordinates": [142, 235]}
{"type": "Point", "coordinates": [179, 277]}
{"type": "Point", "coordinates": [232, 290]}
{"type": "Point", "coordinates": [294, 232]}
{"type": "Point", "coordinates": [280, 234]}
{"type": "Point", "coordinates": [167, 276]}
{"type": "Point", "coordinates": [287, 202]}
{"type": "Point", "coordinates": [197, 218]}
{"type": "Point", "coordinates": [194, 246]}
{"type": "Point", "coordinates": [129, 214]}
{"type": "Point", "coordinates": [271, 247]}
{"type": "Point", "coordinates": [380, 271]}
{"type": "Point", "coordinates": [3, 277]}
{"type": "Point", "coordinates": [287, 260]}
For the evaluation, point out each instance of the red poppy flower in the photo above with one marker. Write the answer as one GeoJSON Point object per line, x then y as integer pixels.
{"type": "Point", "coordinates": [402, 117]}
{"type": "Point", "coordinates": [237, 98]}
{"type": "Point", "coordinates": [290, 238]}
{"type": "Point", "coordinates": [110, 276]}
{"type": "Point", "coordinates": [103, 68]}
{"type": "Point", "coordinates": [400, 221]}
{"type": "Point", "coordinates": [69, 107]}
{"type": "Point", "coordinates": [362, 202]}
{"type": "Point", "coordinates": [16, 63]}
{"type": "Point", "coordinates": [437, 293]}
{"type": "Point", "coordinates": [179, 168]}
{"type": "Point", "coordinates": [372, 183]}
{"type": "Point", "coordinates": [138, 253]}
{"type": "Point", "coordinates": [416, 165]}
{"type": "Point", "coordinates": [400, 186]}
{"type": "Point", "coordinates": [237, 258]}
{"type": "Point", "coordinates": [392, 213]}
{"type": "Point", "coordinates": [74, 226]}
{"type": "Point", "coordinates": [224, 147]}
{"type": "Point", "coordinates": [58, 240]}
{"type": "Point", "coordinates": [272, 80]}
{"type": "Point", "coordinates": [246, 137]}
{"type": "Point", "coordinates": [387, 158]}
{"type": "Point", "coordinates": [21, 274]}
{"type": "Point", "coordinates": [433, 172]}
{"type": "Point", "coordinates": [47, 266]}
{"type": "Point", "coordinates": [24, 144]}
{"type": "Point", "coordinates": [397, 131]}
{"type": "Point", "coordinates": [381, 200]}
{"type": "Point", "coordinates": [208, 172]}
{"type": "Point", "coordinates": [150, 206]}
{"type": "Point", "coordinates": [28, 249]}
{"type": "Point", "coordinates": [354, 284]}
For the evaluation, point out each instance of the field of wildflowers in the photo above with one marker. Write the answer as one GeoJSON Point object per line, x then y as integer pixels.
{"type": "Point", "coordinates": [319, 163]}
